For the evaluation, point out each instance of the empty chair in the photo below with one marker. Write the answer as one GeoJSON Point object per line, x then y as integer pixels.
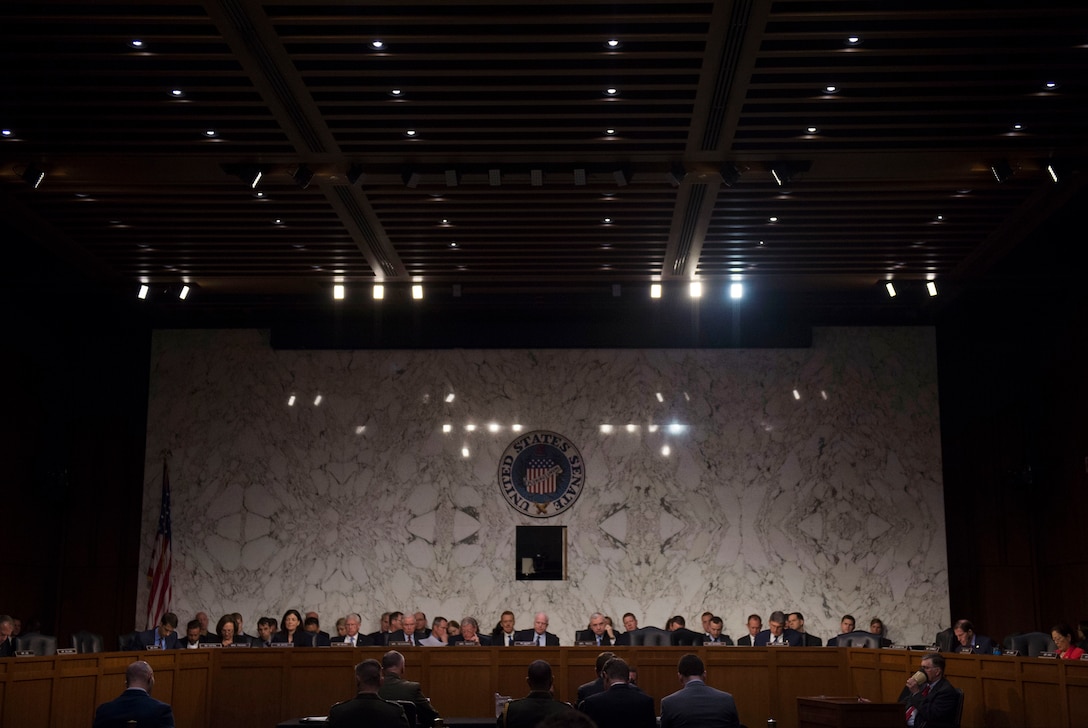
{"type": "Point", "coordinates": [959, 708]}
{"type": "Point", "coordinates": [86, 642]}
{"type": "Point", "coordinates": [410, 711]}
{"type": "Point", "coordinates": [1031, 643]}
{"type": "Point", "coordinates": [650, 637]}
{"type": "Point", "coordinates": [39, 644]}
{"type": "Point", "coordinates": [859, 638]}
{"type": "Point", "coordinates": [128, 641]}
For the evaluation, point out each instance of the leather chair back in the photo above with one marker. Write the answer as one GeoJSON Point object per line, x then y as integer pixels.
{"type": "Point", "coordinates": [85, 642]}
{"type": "Point", "coordinates": [128, 642]}
{"type": "Point", "coordinates": [39, 644]}
{"type": "Point", "coordinates": [859, 638]}
{"type": "Point", "coordinates": [1031, 643]}
{"type": "Point", "coordinates": [410, 711]}
{"type": "Point", "coordinates": [650, 637]}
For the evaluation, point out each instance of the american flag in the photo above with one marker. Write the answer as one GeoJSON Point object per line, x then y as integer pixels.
{"type": "Point", "coordinates": [158, 571]}
{"type": "Point", "coordinates": [540, 476]}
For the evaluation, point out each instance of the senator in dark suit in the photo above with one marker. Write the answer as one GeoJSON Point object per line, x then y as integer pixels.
{"type": "Point", "coordinates": [164, 635]}
{"type": "Point", "coordinates": [697, 705]}
{"type": "Point", "coordinates": [395, 687]}
{"type": "Point", "coordinates": [596, 633]}
{"type": "Point", "coordinates": [367, 708]}
{"type": "Point", "coordinates": [777, 633]}
{"type": "Point", "coordinates": [470, 634]}
{"type": "Point", "coordinates": [935, 703]}
{"type": "Point", "coordinates": [622, 705]}
{"type": "Point", "coordinates": [537, 705]}
{"type": "Point", "coordinates": [538, 632]}
{"type": "Point", "coordinates": [353, 635]}
{"type": "Point", "coordinates": [136, 703]}
{"type": "Point", "coordinates": [965, 635]}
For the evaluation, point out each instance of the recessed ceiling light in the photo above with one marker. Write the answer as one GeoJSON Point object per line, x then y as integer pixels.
{"type": "Point", "coordinates": [831, 89]}
{"type": "Point", "coordinates": [611, 91]}
{"type": "Point", "coordinates": [940, 218]}
{"type": "Point", "coordinates": [772, 219]}
{"type": "Point", "coordinates": [395, 92]}
{"type": "Point", "coordinates": [1017, 127]}
{"type": "Point", "coordinates": [177, 93]}
{"type": "Point", "coordinates": [613, 43]}
{"type": "Point", "coordinates": [378, 292]}
{"type": "Point", "coordinates": [5, 132]}
{"type": "Point", "coordinates": [278, 221]}
{"type": "Point", "coordinates": [210, 133]}
{"type": "Point", "coordinates": [736, 290]}
{"type": "Point", "coordinates": [655, 290]}
{"type": "Point", "coordinates": [607, 221]}
{"type": "Point", "coordinates": [410, 133]}
{"type": "Point", "coordinates": [1051, 85]}
{"type": "Point", "coordinates": [609, 132]}
{"type": "Point", "coordinates": [695, 289]}
{"type": "Point", "coordinates": [931, 288]}
{"type": "Point", "coordinates": [890, 288]}
{"type": "Point", "coordinates": [417, 292]}
{"type": "Point", "coordinates": [853, 40]}
{"type": "Point", "coordinates": [143, 292]}
{"type": "Point", "coordinates": [136, 43]}
{"type": "Point", "coordinates": [453, 243]}
{"type": "Point", "coordinates": [377, 44]}
{"type": "Point", "coordinates": [338, 291]}
{"type": "Point", "coordinates": [183, 293]}
{"type": "Point", "coordinates": [811, 129]}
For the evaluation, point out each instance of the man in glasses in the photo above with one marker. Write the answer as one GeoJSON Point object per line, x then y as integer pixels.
{"type": "Point", "coordinates": [932, 703]}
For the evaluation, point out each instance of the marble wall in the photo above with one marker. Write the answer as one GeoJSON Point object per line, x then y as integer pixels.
{"type": "Point", "coordinates": [737, 481]}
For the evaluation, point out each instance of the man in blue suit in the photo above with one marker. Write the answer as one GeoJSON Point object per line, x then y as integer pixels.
{"type": "Point", "coordinates": [968, 640]}
{"type": "Point", "coordinates": [136, 703]}
{"type": "Point", "coordinates": [777, 634]}
{"type": "Point", "coordinates": [697, 705]}
{"type": "Point", "coordinates": [164, 637]}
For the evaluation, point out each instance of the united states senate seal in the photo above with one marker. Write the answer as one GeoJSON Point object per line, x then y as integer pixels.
{"type": "Point", "coordinates": [541, 474]}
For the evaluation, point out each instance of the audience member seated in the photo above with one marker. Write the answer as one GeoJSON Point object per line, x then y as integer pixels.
{"type": "Point", "coordinates": [932, 703]}
{"type": "Point", "coordinates": [1062, 634]}
{"type": "Point", "coordinates": [539, 704]}
{"type": "Point", "coordinates": [969, 641]}
{"type": "Point", "coordinates": [696, 703]}
{"type": "Point", "coordinates": [395, 687]}
{"type": "Point", "coordinates": [135, 706]}
{"type": "Point", "coordinates": [846, 626]}
{"type": "Point", "coordinates": [367, 708]}
{"type": "Point", "coordinates": [162, 637]}
{"type": "Point", "coordinates": [622, 705]}
{"type": "Point", "coordinates": [876, 627]}
{"type": "Point", "coordinates": [596, 686]}
{"type": "Point", "coordinates": [470, 634]}
{"type": "Point", "coordinates": [292, 631]}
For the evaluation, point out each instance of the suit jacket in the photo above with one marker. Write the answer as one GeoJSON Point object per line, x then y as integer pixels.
{"type": "Point", "coordinates": [396, 688]}
{"type": "Point", "coordinates": [320, 639]}
{"type": "Point", "coordinates": [586, 635]}
{"type": "Point", "coordinates": [791, 637]}
{"type": "Point", "coordinates": [621, 706]}
{"type": "Point", "coordinates": [745, 641]}
{"type": "Point", "coordinates": [302, 637]}
{"type": "Point", "coordinates": [134, 704]}
{"type": "Point", "coordinates": [624, 638]}
{"type": "Point", "coordinates": [590, 688]}
{"type": "Point", "coordinates": [530, 710]}
{"type": "Point", "coordinates": [147, 638]}
{"type": "Point", "coordinates": [498, 638]}
{"type": "Point", "coordinates": [361, 640]}
{"type": "Point", "coordinates": [981, 645]}
{"type": "Point", "coordinates": [697, 705]}
{"type": "Point", "coordinates": [724, 638]}
{"type": "Point", "coordinates": [808, 640]}
{"type": "Point", "coordinates": [529, 635]}
{"type": "Point", "coordinates": [485, 641]}
{"type": "Point", "coordinates": [399, 636]}
{"type": "Point", "coordinates": [367, 709]}
{"type": "Point", "coordinates": [7, 647]}
{"type": "Point", "coordinates": [936, 710]}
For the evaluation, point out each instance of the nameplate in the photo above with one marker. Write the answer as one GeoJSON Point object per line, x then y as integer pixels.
{"type": "Point", "coordinates": [715, 644]}
{"type": "Point", "coordinates": [66, 650]}
{"type": "Point", "coordinates": [1048, 655]}
{"type": "Point", "coordinates": [24, 653]}
{"type": "Point", "coordinates": [585, 643]}
{"type": "Point", "coordinates": [964, 650]}
{"type": "Point", "coordinates": [778, 644]}
{"type": "Point", "coordinates": [152, 647]}
{"type": "Point", "coordinates": [933, 648]}
{"type": "Point", "coordinates": [1084, 656]}
{"type": "Point", "coordinates": [399, 643]}
{"type": "Point", "coordinates": [525, 643]}
{"type": "Point", "coordinates": [239, 644]}
{"type": "Point", "coordinates": [897, 647]}
{"type": "Point", "coordinates": [282, 644]}
{"type": "Point", "coordinates": [341, 644]}
{"type": "Point", "coordinates": [209, 645]}
{"type": "Point", "coordinates": [460, 644]}
{"type": "Point", "coordinates": [1011, 653]}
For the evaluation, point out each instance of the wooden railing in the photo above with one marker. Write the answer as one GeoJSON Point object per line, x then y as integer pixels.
{"type": "Point", "coordinates": [258, 688]}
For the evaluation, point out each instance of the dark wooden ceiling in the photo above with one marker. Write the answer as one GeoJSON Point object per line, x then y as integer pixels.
{"type": "Point", "coordinates": [522, 174]}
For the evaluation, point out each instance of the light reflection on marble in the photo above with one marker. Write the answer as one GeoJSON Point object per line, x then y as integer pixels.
{"type": "Point", "coordinates": [827, 503]}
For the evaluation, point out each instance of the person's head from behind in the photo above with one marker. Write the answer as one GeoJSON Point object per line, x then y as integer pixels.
{"type": "Point", "coordinates": [616, 670]}
{"type": "Point", "coordinates": [368, 676]}
{"type": "Point", "coordinates": [140, 675]}
{"type": "Point", "coordinates": [690, 666]}
{"type": "Point", "coordinates": [539, 676]}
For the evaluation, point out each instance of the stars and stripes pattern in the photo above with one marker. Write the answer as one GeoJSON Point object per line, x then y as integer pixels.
{"type": "Point", "coordinates": [158, 571]}
{"type": "Point", "coordinates": [540, 476]}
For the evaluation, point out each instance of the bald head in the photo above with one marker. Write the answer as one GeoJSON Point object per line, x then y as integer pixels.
{"type": "Point", "coordinates": [140, 675]}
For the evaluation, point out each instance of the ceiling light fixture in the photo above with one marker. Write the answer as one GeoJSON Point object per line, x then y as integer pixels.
{"type": "Point", "coordinates": [831, 89]}
{"type": "Point", "coordinates": [731, 173]}
{"type": "Point", "coordinates": [611, 91]}
{"type": "Point", "coordinates": [613, 43]}
{"type": "Point", "coordinates": [1001, 170]}
{"type": "Point", "coordinates": [396, 92]}
{"type": "Point", "coordinates": [931, 286]}
{"type": "Point", "coordinates": [143, 291]}
{"type": "Point", "coordinates": [655, 290]}
{"type": "Point", "coordinates": [377, 44]}
{"type": "Point", "coordinates": [5, 132]}
{"type": "Point", "coordinates": [453, 177]}
{"type": "Point", "coordinates": [736, 290]}
{"type": "Point", "coordinates": [580, 177]}
{"type": "Point", "coordinates": [33, 176]}
{"type": "Point", "coordinates": [784, 172]}
{"type": "Point", "coordinates": [184, 293]}
{"type": "Point", "coordinates": [136, 43]}
{"type": "Point", "coordinates": [378, 292]}
{"type": "Point", "coordinates": [338, 292]}
{"type": "Point", "coordinates": [177, 93]}
{"type": "Point", "coordinates": [890, 288]}
{"type": "Point", "coordinates": [1052, 170]}
{"type": "Point", "coordinates": [853, 40]}
{"type": "Point", "coordinates": [417, 292]}
{"type": "Point", "coordinates": [695, 289]}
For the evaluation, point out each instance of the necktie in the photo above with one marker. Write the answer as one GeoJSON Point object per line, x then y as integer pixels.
{"type": "Point", "coordinates": [910, 710]}
{"type": "Point", "coordinates": [540, 640]}
{"type": "Point", "coordinates": [509, 640]}
{"type": "Point", "coordinates": [598, 640]}
{"type": "Point", "coordinates": [352, 641]}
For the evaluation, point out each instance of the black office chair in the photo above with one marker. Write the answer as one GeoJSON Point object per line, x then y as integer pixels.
{"type": "Point", "coordinates": [859, 638]}
{"type": "Point", "coordinates": [410, 711]}
{"type": "Point", "coordinates": [86, 642]}
{"type": "Point", "coordinates": [959, 708]}
{"type": "Point", "coordinates": [128, 642]}
{"type": "Point", "coordinates": [685, 638]}
{"type": "Point", "coordinates": [1031, 643]}
{"type": "Point", "coordinates": [650, 637]}
{"type": "Point", "coordinates": [39, 644]}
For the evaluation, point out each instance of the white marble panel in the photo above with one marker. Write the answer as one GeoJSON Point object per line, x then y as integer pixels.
{"type": "Point", "coordinates": [826, 501]}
